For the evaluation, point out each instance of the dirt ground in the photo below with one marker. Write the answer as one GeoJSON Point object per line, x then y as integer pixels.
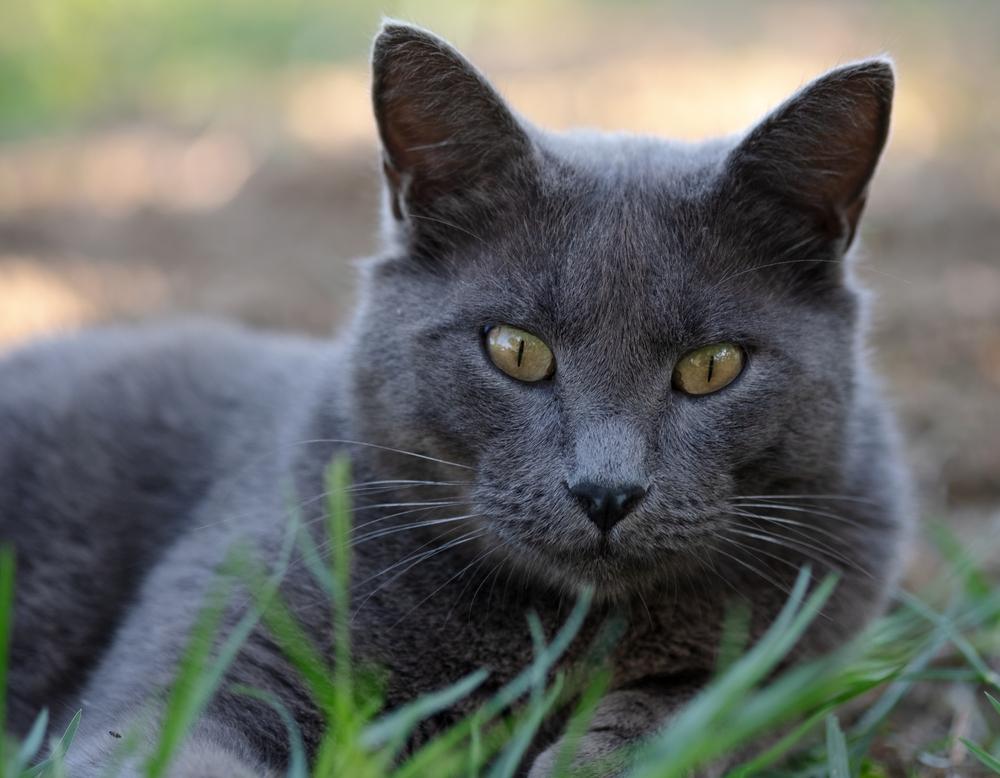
{"type": "Point", "coordinates": [255, 209]}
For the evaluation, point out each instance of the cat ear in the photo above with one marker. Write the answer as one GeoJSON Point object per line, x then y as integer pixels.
{"type": "Point", "coordinates": [449, 141]}
{"type": "Point", "coordinates": [818, 151]}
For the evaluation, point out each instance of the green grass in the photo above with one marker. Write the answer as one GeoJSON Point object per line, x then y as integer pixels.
{"type": "Point", "coordinates": [799, 719]}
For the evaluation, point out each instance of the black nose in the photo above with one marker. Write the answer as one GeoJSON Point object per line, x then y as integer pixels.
{"type": "Point", "coordinates": [607, 505]}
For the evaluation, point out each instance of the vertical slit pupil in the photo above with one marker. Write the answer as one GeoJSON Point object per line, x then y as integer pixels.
{"type": "Point", "coordinates": [520, 352]}
{"type": "Point", "coordinates": [711, 367]}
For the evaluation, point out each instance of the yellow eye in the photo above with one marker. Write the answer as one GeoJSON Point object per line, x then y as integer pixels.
{"type": "Point", "coordinates": [519, 354]}
{"type": "Point", "coordinates": [709, 368]}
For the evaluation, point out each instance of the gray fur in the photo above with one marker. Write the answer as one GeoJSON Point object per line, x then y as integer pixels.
{"type": "Point", "coordinates": [132, 461]}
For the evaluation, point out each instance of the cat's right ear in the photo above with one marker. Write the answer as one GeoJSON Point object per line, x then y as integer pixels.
{"type": "Point", "coordinates": [817, 152]}
{"type": "Point", "coordinates": [450, 144]}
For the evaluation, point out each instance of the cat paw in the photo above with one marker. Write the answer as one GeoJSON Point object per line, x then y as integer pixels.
{"type": "Point", "coordinates": [598, 753]}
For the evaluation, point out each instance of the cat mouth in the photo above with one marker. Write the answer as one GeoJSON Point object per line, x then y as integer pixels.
{"type": "Point", "coordinates": [604, 563]}
{"type": "Point", "coordinates": [616, 563]}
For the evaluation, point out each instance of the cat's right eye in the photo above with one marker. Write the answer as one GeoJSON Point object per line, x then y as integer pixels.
{"type": "Point", "coordinates": [519, 354]}
{"type": "Point", "coordinates": [709, 368]}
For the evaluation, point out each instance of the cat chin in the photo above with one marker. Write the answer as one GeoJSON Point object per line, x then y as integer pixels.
{"type": "Point", "coordinates": [612, 576]}
{"type": "Point", "coordinates": [615, 568]}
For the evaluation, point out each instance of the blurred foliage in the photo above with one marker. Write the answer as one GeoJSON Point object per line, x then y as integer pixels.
{"type": "Point", "coordinates": [66, 62]}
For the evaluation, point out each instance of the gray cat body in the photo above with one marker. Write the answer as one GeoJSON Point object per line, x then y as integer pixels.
{"type": "Point", "coordinates": [133, 461]}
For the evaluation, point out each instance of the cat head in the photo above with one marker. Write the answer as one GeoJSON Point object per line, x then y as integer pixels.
{"type": "Point", "coordinates": [618, 334]}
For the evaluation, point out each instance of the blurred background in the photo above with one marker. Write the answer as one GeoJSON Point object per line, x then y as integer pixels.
{"type": "Point", "coordinates": [176, 156]}
{"type": "Point", "coordinates": [161, 157]}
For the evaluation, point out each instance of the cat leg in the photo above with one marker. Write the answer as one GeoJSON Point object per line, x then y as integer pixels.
{"type": "Point", "coordinates": [210, 751]}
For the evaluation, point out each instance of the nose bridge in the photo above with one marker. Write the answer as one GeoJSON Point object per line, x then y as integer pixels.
{"type": "Point", "coordinates": [610, 450]}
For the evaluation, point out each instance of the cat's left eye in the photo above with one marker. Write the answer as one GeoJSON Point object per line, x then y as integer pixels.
{"type": "Point", "coordinates": [709, 368]}
{"type": "Point", "coordinates": [519, 354]}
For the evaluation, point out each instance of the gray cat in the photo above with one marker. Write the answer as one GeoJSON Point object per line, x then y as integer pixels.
{"type": "Point", "coordinates": [580, 359]}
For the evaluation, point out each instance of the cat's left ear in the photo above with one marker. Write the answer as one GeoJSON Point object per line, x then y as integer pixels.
{"type": "Point", "coordinates": [451, 146]}
{"type": "Point", "coordinates": [817, 152]}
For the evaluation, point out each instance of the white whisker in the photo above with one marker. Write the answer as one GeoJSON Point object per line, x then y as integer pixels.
{"type": "Point", "coordinates": [395, 515]}
{"type": "Point", "coordinates": [461, 594]}
{"type": "Point", "coordinates": [406, 527]}
{"type": "Point", "coordinates": [776, 584]}
{"type": "Point", "coordinates": [791, 523]}
{"type": "Point", "coordinates": [843, 497]}
{"type": "Point", "coordinates": [460, 573]}
{"type": "Point", "coordinates": [416, 559]}
{"type": "Point", "coordinates": [801, 509]}
{"type": "Point", "coordinates": [361, 485]}
{"type": "Point", "coordinates": [413, 507]}
{"type": "Point", "coordinates": [826, 553]}
{"type": "Point", "coordinates": [343, 442]}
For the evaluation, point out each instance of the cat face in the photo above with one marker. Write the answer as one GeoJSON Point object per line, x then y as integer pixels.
{"type": "Point", "coordinates": [620, 335]}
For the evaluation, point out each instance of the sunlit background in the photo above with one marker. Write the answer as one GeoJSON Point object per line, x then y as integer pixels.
{"type": "Point", "coordinates": [180, 156]}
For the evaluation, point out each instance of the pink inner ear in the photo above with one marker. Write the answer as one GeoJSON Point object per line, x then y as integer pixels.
{"type": "Point", "coordinates": [444, 129]}
{"type": "Point", "coordinates": [821, 147]}
{"type": "Point", "coordinates": [410, 134]}
{"type": "Point", "coordinates": [855, 148]}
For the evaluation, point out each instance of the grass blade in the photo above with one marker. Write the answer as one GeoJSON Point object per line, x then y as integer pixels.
{"type": "Point", "coordinates": [986, 673]}
{"type": "Point", "coordinates": [32, 743]}
{"type": "Point", "coordinates": [580, 720]}
{"type": "Point", "coordinates": [396, 726]}
{"type": "Point", "coordinates": [987, 759]}
{"type": "Point", "coordinates": [427, 760]}
{"type": "Point", "coordinates": [512, 755]}
{"type": "Point", "coordinates": [54, 759]}
{"type": "Point", "coordinates": [185, 699]}
{"type": "Point", "coordinates": [836, 750]}
{"type": "Point", "coordinates": [297, 762]}
{"type": "Point", "coordinates": [702, 730]}
{"type": "Point", "coordinates": [339, 528]}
